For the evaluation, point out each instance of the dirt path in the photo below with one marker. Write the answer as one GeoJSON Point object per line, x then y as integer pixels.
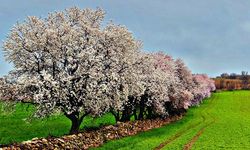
{"type": "Point", "coordinates": [190, 143]}
{"type": "Point", "coordinates": [177, 135]}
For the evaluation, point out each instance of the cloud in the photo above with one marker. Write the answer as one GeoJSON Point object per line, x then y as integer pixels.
{"type": "Point", "coordinates": [211, 36]}
{"type": "Point", "coordinates": [246, 26]}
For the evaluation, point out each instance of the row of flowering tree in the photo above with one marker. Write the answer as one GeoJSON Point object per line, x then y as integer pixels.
{"type": "Point", "coordinates": [73, 63]}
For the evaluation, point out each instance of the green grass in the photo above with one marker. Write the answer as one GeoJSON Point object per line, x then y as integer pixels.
{"type": "Point", "coordinates": [15, 128]}
{"type": "Point", "coordinates": [224, 120]}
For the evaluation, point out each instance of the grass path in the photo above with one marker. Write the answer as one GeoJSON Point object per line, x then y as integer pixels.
{"type": "Point", "coordinates": [221, 122]}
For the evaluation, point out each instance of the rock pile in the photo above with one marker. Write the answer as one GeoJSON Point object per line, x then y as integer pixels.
{"type": "Point", "coordinates": [93, 138]}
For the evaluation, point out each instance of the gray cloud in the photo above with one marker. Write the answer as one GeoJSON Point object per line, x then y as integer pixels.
{"type": "Point", "coordinates": [211, 36]}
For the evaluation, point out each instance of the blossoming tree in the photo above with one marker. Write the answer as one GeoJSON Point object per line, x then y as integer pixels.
{"type": "Point", "coordinates": [73, 63]}
{"type": "Point", "coordinates": [202, 89]}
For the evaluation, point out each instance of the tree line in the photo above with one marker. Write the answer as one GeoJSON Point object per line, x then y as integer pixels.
{"type": "Point", "coordinates": [233, 81]}
{"type": "Point", "coordinates": [72, 62]}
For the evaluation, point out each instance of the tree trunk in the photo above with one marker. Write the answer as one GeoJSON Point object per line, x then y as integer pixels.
{"type": "Point", "coordinates": [150, 113]}
{"type": "Point", "coordinates": [128, 110]}
{"type": "Point", "coordinates": [142, 107]}
{"type": "Point", "coordinates": [125, 115]}
{"type": "Point", "coordinates": [134, 113]}
{"type": "Point", "coordinates": [75, 126]}
{"type": "Point", "coordinates": [116, 115]}
{"type": "Point", "coordinates": [76, 121]}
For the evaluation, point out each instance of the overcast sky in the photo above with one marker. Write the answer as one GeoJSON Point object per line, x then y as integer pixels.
{"type": "Point", "coordinates": [211, 36]}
